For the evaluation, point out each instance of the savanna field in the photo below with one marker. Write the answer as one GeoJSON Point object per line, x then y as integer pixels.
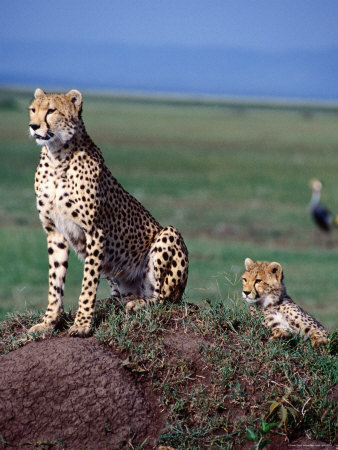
{"type": "Point", "coordinates": [234, 179]}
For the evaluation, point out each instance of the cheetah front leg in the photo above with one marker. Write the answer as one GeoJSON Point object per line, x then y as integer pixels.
{"type": "Point", "coordinates": [58, 252]}
{"type": "Point", "coordinates": [91, 276]}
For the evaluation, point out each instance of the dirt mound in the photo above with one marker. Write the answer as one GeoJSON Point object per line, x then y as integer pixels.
{"type": "Point", "coordinates": [173, 376]}
{"type": "Point", "coordinates": [73, 393]}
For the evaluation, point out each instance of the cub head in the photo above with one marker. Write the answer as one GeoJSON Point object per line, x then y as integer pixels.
{"type": "Point", "coordinates": [54, 117]}
{"type": "Point", "coordinates": [262, 282]}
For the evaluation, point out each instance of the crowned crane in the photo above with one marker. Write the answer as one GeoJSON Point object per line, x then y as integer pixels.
{"type": "Point", "coordinates": [321, 215]}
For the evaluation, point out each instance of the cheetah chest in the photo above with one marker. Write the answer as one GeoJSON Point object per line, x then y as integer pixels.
{"type": "Point", "coordinates": [52, 197]}
{"type": "Point", "coordinates": [279, 318]}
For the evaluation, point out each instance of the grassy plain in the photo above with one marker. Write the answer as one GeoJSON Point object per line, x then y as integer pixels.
{"type": "Point", "coordinates": [233, 177]}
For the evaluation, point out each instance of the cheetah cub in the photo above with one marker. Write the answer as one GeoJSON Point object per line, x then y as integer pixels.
{"type": "Point", "coordinates": [263, 287]}
{"type": "Point", "coordinates": [82, 205]}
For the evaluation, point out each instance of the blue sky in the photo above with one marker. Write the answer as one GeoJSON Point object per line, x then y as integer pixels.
{"type": "Point", "coordinates": [258, 24]}
{"type": "Point", "coordinates": [284, 48]}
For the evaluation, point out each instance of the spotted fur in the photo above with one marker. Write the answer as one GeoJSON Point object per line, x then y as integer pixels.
{"type": "Point", "coordinates": [263, 287]}
{"type": "Point", "coordinates": [81, 204]}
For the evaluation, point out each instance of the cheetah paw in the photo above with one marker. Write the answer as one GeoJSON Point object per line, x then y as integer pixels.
{"type": "Point", "coordinates": [317, 342]}
{"type": "Point", "coordinates": [279, 333]}
{"type": "Point", "coordinates": [134, 305]}
{"type": "Point", "coordinates": [40, 327]}
{"type": "Point", "coordinates": [78, 330]}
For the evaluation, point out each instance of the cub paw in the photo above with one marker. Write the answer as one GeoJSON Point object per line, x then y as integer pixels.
{"type": "Point", "coordinates": [79, 330]}
{"type": "Point", "coordinates": [319, 340]}
{"type": "Point", "coordinates": [279, 333]}
{"type": "Point", "coordinates": [134, 305]}
{"type": "Point", "coordinates": [40, 327]}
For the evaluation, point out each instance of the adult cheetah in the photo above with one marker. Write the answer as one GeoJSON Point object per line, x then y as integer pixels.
{"type": "Point", "coordinates": [80, 203]}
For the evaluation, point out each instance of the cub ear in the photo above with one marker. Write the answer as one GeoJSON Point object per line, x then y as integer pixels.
{"type": "Point", "coordinates": [276, 269]}
{"type": "Point", "coordinates": [248, 263]}
{"type": "Point", "coordinates": [76, 98]}
{"type": "Point", "coordinates": [38, 93]}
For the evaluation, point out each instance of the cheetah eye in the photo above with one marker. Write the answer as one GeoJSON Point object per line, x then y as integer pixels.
{"type": "Point", "coordinates": [244, 279]}
{"type": "Point", "coordinates": [32, 110]}
{"type": "Point", "coordinates": [257, 280]}
{"type": "Point", "coordinates": [50, 111]}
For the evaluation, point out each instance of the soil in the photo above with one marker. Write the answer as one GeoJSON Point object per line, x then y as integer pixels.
{"type": "Point", "coordinates": [74, 393]}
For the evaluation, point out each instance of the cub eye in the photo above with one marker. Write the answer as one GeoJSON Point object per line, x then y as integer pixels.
{"type": "Point", "coordinates": [50, 111]}
{"type": "Point", "coordinates": [33, 110]}
{"type": "Point", "coordinates": [258, 281]}
{"type": "Point", "coordinates": [244, 279]}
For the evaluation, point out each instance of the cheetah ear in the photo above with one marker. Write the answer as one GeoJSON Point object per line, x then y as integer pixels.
{"type": "Point", "coordinates": [276, 269]}
{"type": "Point", "coordinates": [76, 98]}
{"type": "Point", "coordinates": [38, 93]}
{"type": "Point", "coordinates": [248, 263]}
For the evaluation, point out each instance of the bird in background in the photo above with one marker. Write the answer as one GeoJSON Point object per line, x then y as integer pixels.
{"type": "Point", "coordinates": [320, 214]}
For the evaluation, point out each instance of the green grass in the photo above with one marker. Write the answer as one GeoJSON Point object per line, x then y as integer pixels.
{"type": "Point", "coordinates": [232, 177]}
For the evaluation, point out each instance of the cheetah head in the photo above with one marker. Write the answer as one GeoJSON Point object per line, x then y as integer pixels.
{"type": "Point", "coordinates": [262, 282]}
{"type": "Point", "coordinates": [54, 117]}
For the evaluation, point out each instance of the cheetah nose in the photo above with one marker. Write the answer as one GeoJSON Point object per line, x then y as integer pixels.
{"type": "Point", "coordinates": [246, 292]}
{"type": "Point", "coordinates": [34, 126]}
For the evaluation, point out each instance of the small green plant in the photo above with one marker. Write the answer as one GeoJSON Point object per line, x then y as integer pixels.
{"type": "Point", "coordinates": [284, 411]}
{"type": "Point", "coordinates": [259, 435]}
{"type": "Point", "coordinates": [3, 440]}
